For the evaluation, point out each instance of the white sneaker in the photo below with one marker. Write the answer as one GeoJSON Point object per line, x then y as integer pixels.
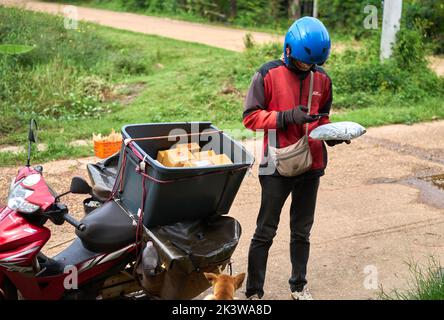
{"type": "Point", "coordinates": [254, 297]}
{"type": "Point", "coordinates": [302, 295]}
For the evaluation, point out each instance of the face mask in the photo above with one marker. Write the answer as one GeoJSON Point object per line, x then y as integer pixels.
{"type": "Point", "coordinates": [298, 66]}
{"type": "Point", "coordinates": [301, 66]}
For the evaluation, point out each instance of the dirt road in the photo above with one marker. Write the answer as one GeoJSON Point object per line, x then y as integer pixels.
{"type": "Point", "coordinates": [216, 36]}
{"type": "Point", "coordinates": [374, 213]}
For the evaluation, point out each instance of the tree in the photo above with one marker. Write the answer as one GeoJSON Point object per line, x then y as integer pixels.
{"type": "Point", "coordinates": [294, 9]}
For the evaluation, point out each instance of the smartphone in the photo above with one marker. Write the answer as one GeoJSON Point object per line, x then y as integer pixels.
{"type": "Point", "coordinates": [319, 115]}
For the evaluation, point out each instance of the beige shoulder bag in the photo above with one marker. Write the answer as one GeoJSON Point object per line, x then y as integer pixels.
{"type": "Point", "coordinates": [294, 159]}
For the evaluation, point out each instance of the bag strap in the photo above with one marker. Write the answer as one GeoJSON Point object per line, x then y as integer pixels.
{"type": "Point", "coordinates": [310, 95]}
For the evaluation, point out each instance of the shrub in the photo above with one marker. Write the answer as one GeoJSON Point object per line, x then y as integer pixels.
{"type": "Point", "coordinates": [58, 78]}
{"type": "Point", "coordinates": [429, 14]}
{"type": "Point", "coordinates": [360, 80]}
{"type": "Point", "coordinates": [347, 16]}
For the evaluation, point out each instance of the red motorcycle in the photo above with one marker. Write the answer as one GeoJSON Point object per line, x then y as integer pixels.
{"type": "Point", "coordinates": [76, 272]}
{"type": "Point", "coordinates": [114, 254]}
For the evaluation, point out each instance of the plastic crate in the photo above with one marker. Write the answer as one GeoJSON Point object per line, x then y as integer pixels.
{"type": "Point", "coordinates": [184, 193]}
{"type": "Point", "coordinates": [104, 149]}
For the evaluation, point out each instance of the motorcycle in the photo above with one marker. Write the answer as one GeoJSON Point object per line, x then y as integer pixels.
{"type": "Point", "coordinates": [110, 258]}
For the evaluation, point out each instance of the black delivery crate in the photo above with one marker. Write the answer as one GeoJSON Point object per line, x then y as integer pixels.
{"type": "Point", "coordinates": [184, 193]}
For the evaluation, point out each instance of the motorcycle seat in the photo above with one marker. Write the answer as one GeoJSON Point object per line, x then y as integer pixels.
{"type": "Point", "coordinates": [103, 176]}
{"type": "Point", "coordinates": [107, 228]}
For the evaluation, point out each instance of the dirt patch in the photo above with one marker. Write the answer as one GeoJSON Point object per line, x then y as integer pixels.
{"type": "Point", "coordinates": [229, 89]}
{"type": "Point", "coordinates": [20, 149]}
{"type": "Point", "coordinates": [436, 63]}
{"type": "Point", "coordinates": [80, 143]}
{"type": "Point", "coordinates": [429, 193]}
{"type": "Point", "coordinates": [128, 92]}
{"type": "Point", "coordinates": [434, 155]}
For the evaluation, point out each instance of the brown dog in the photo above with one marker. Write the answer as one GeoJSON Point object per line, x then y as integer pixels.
{"type": "Point", "coordinates": [224, 285]}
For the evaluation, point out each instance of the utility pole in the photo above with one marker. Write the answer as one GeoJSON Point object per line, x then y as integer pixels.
{"type": "Point", "coordinates": [315, 8]}
{"type": "Point", "coordinates": [390, 26]}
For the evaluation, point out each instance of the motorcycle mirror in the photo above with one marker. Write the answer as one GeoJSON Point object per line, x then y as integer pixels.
{"type": "Point", "coordinates": [32, 138]}
{"type": "Point", "coordinates": [80, 186]}
{"type": "Point", "coordinates": [32, 134]}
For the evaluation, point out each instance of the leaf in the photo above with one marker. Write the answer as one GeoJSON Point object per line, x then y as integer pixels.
{"type": "Point", "coordinates": [15, 48]}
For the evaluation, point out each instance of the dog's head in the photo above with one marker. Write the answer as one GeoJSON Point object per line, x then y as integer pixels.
{"type": "Point", "coordinates": [224, 285]}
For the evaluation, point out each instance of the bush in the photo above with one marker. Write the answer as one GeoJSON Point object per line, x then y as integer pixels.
{"type": "Point", "coordinates": [360, 80]}
{"type": "Point", "coordinates": [347, 16]}
{"type": "Point", "coordinates": [131, 62]}
{"type": "Point", "coordinates": [429, 15]}
{"type": "Point", "coordinates": [66, 76]}
{"type": "Point", "coordinates": [410, 50]}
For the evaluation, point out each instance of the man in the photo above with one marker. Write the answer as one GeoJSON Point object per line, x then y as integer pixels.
{"type": "Point", "coordinates": [277, 104]}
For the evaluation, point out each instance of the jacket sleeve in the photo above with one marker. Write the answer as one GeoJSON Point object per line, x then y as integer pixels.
{"type": "Point", "coordinates": [326, 102]}
{"type": "Point", "coordinates": [256, 116]}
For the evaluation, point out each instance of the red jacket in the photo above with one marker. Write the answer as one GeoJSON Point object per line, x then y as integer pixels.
{"type": "Point", "coordinates": [275, 88]}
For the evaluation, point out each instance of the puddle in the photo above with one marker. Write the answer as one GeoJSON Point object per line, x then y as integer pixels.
{"type": "Point", "coordinates": [436, 180]}
{"type": "Point", "coordinates": [431, 187]}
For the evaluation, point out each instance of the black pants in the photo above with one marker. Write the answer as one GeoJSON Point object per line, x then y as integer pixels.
{"type": "Point", "coordinates": [275, 191]}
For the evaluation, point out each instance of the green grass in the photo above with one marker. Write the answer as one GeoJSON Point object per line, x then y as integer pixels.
{"type": "Point", "coordinates": [182, 82]}
{"type": "Point", "coordinates": [394, 113]}
{"type": "Point", "coordinates": [63, 81]}
{"type": "Point", "coordinates": [426, 283]}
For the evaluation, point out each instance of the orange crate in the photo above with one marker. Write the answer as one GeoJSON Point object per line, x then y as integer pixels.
{"type": "Point", "coordinates": [104, 149]}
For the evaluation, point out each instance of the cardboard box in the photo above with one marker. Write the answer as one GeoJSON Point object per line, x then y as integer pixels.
{"type": "Point", "coordinates": [221, 159]}
{"type": "Point", "coordinates": [161, 155]}
{"type": "Point", "coordinates": [198, 163]}
{"type": "Point", "coordinates": [175, 157]}
{"type": "Point", "coordinates": [204, 155]}
{"type": "Point", "coordinates": [192, 147]}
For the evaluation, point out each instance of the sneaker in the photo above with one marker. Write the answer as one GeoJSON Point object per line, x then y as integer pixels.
{"type": "Point", "coordinates": [302, 295]}
{"type": "Point", "coordinates": [254, 297]}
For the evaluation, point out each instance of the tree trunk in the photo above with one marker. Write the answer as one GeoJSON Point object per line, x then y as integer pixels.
{"type": "Point", "coordinates": [233, 11]}
{"type": "Point", "coordinates": [294, 9]}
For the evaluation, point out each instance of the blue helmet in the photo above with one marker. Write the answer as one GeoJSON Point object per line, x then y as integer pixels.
{"type": "Point", "coordinates": [308, 40]}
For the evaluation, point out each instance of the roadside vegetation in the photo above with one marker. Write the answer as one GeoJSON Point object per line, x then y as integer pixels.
{"type": "Point", "coordinates": [426, 283]}
{"type": "Point", "coordinates": [92, 79]}
{"type": "Point", "coordinates": [345, 17]}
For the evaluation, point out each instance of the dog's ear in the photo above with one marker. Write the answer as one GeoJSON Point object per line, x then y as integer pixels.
{"type": "Point", "coordinates": [238, 280]}
{"type": "Point", "coordinates": [210, 276]}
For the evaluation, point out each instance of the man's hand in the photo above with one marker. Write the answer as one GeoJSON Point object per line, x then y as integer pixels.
{"type": "Point", "coordinates": [332, 143]}
{"type": "Point", "coordinates": [297, 116]}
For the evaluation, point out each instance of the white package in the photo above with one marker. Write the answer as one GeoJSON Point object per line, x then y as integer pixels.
{"type": "Point", "coordinates": [345, 130]}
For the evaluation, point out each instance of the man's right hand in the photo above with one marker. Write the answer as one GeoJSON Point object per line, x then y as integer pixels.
{"type": "Point", "coordinates": [297, 116]}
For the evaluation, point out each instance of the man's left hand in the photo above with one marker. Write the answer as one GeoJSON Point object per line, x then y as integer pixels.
{"type": "Point", "coordinates": [332, 143]}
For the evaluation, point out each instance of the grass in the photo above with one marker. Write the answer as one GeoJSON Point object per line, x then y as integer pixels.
{"type": "Point", "coordinates": [182, 82]}
{"type": "Point", "coordinates": [75, 80]}
{"type": "Point", "coordinates": [427, 283]}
